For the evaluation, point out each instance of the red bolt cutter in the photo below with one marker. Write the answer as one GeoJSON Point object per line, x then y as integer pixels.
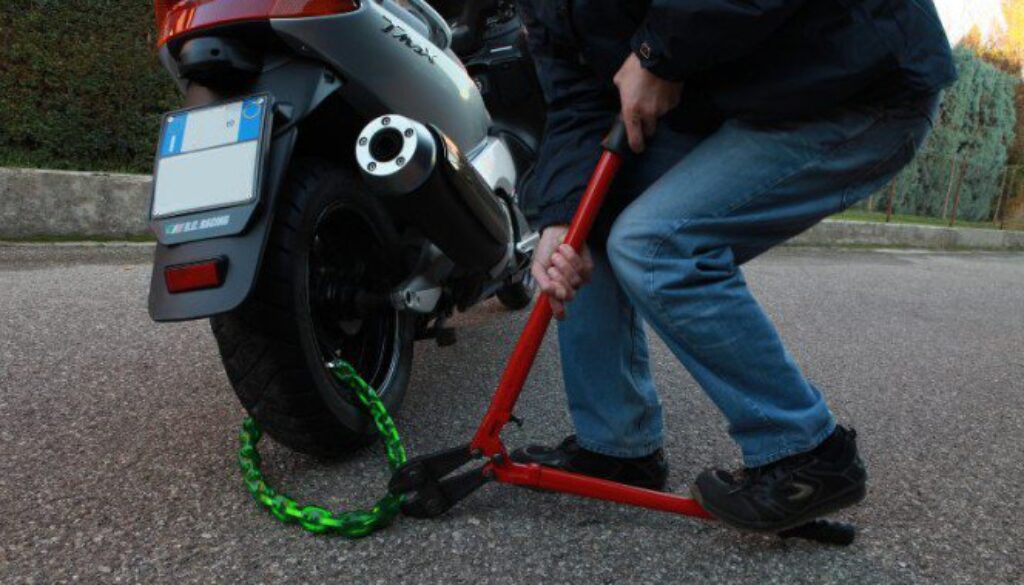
{"type": "Point", "coordinates": [425, 480]}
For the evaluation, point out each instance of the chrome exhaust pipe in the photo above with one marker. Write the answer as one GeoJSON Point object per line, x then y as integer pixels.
{"type": "Point", "coordinates": [429, 183]}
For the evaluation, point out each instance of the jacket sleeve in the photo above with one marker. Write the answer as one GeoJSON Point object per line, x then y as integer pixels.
{"type": "Point", "coordinates": [580, 108]}
{"type": "Point", "coordinates": [679, 38]}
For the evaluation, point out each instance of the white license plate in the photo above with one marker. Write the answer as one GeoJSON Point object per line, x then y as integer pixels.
{"type": "Point", "coordinates": [210, 157]}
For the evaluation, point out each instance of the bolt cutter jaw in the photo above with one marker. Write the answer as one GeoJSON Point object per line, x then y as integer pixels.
{"type": "Point", "coordinates": [429, 488]}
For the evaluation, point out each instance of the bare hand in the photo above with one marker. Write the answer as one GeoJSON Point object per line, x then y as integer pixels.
{"type": "Point", "coordinates": [645, 97]}
{"type": "Point", "coordinates": [559, 270]}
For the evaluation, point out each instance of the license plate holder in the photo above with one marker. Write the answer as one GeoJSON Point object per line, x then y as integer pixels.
{"type": "Point", "coordinates": [209, 159]}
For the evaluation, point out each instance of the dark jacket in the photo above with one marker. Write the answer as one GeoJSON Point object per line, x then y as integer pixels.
{"type": "Point", "coordinates": [767, 60]}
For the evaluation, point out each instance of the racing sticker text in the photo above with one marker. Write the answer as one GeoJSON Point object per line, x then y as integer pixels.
{"type": "Point", "coordinates": [197, 225]}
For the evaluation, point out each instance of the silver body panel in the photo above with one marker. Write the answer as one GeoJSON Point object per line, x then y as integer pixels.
{"type": "Point", "coordinates": [389, 67]}
{"type": "Point", "coordinates": [495, 164]}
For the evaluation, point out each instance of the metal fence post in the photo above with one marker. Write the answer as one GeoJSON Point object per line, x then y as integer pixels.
{"type": "Point", "coordinates": [949, 186]}
{"type": "Point", "coordinates": [956, 198]}
{"type": "Point", "coordinates": [1002, 197]}
{"type": "Point", "coordinates": [888, 204]}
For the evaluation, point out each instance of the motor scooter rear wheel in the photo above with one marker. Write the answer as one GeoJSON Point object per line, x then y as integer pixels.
{"type": "Point", "coordinates": [330, 249]}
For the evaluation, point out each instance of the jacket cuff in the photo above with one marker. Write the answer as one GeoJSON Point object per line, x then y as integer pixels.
{"type": "Point", "coordinates": [654, 56]}
{"type": "Point", "coordinates": [558, 212]}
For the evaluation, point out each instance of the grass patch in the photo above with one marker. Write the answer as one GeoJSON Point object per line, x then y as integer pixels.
{"type": "Point", "coordinates": [879, 217]}
{"type": "Point", "coordinates": [130, 238]}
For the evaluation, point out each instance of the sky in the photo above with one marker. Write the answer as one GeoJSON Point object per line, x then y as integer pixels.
{"type": "Point", "coordinates": [960, 15]}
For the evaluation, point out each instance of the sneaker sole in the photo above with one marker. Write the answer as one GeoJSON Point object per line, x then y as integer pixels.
{"type": "Point", "coordinates": [849, 497]}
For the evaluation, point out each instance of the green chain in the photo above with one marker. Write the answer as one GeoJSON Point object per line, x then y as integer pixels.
{"type": "Point", "coordinates": [354, 524]}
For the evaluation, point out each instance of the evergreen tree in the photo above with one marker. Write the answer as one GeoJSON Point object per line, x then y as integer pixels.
{"type": "Point", "coordinates": [976, 130]}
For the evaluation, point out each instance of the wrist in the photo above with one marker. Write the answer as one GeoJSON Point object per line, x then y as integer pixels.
{"type": "Point", "coordinates": [652, 56]}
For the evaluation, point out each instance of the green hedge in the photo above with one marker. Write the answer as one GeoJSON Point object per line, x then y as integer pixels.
{"type": "Point", "coordinates": [80, 84]}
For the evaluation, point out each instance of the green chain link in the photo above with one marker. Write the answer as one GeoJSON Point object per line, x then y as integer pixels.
{"type": "Point", "coordinates": [354, 524]}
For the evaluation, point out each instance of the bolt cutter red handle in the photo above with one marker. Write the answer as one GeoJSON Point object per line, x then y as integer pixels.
{"type": "Point", "coordinates": [488, 441]}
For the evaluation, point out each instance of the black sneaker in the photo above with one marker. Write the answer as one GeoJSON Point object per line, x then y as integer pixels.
{"type": "Point", "coordinates": [790, 492]}
{"type": "Point", "coordinates": [650, 472]}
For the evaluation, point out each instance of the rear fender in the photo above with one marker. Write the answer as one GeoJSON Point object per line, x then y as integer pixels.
{"type": "Point", "coordinates": [297, 88]}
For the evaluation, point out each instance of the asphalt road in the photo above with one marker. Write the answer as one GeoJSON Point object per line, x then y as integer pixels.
{"type": "Point", "coordinates": [117, 440]}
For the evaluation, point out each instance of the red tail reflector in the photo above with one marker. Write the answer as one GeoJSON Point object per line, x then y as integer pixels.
{"type": "Point", "coordinates": [196, 276]}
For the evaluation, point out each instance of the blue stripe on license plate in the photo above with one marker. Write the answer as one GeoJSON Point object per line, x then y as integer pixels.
{"type": "Point", "coordinates": [174, 134]}
{"type": "Point", "coordinates": [252, 118]}
{"type": "Point", "coordinates": [224, 125]}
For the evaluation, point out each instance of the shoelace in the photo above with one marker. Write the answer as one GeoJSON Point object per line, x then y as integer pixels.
{"type": "Point", "coordinates": [759, 478]}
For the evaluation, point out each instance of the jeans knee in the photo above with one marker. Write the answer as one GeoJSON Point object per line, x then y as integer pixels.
{"type": "Point", "coordinates": [653, 260]}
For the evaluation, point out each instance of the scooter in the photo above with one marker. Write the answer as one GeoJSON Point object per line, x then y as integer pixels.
{"type": "Point", "coordinates": [343, 177]}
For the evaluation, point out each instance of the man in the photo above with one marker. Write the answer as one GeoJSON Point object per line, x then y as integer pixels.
{"type": "Point", "coordinates": [752, 120]}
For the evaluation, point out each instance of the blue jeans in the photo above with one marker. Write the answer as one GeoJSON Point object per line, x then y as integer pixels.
{"type": "Point", "coordinates": [707, 205]}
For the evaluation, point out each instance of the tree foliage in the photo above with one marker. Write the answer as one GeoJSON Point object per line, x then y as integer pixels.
{"type": "Point", "coordinates": [1008, 43]}
{"type": "Point", "coordinates": [80, 86]}
{"type": "Point", "coordinates": [973, 136]}
{"type": "Point", "coordinates": [1005, 49]}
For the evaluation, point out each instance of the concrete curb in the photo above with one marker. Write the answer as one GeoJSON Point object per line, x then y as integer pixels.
{"type": "Point", "coordinates": [858, 233]}
{"type": "Point", "coordinates": [118, 244]}
{"type": "Point", "coordinates": [65, 204]}
{"type": "Point", "coordinates": [41, 204]}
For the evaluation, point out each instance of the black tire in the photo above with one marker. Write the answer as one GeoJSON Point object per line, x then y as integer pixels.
{"type": "Point", "coordinates": [275, 345]}
{"type": "Point", "coordinates": [518, 295]}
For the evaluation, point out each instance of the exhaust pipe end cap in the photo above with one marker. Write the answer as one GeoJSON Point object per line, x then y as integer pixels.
{"type": "Point", "coordinates": [396, 155]}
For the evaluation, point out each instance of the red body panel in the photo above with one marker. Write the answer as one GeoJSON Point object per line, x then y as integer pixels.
{"type": "Point", "coordinates": [174, 18]}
